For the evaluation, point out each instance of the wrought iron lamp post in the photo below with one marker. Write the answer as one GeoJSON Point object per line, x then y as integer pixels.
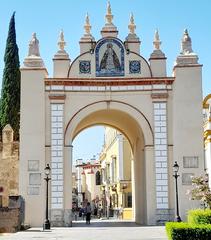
{"type": "Point", "coordinates": [176, 175]}
{"type": "Point", "coordinates": [47, 169]}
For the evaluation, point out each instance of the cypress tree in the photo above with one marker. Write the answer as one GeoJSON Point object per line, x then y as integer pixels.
{"type": "Point", "coordinates": [10, 93]}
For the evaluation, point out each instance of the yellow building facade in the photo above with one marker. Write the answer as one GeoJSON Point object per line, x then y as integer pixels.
{"type": "Point", "coordinates": [207, 134]}
{"type": "Point", "coordinates": [115, 160]}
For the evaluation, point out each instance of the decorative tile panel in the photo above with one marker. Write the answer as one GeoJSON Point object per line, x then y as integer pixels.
{"type": "Point", "coordinates": [135, 67]}
{"type": "Point", "coordinates": [84, 67]}
{"type": "Point", "coordinates": [109, 56]}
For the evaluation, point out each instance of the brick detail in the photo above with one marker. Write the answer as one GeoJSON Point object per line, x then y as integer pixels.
{"type": "Point", "coordinates": [161, 154]}
{"type": "Point", "coordinates": [57, 174]}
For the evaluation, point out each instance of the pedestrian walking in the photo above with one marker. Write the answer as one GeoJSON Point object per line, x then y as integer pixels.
{"type": "Point", "coordinates": [88, 211]}
{"type": "Point", "coordinates": [81, 212]}
{"type": "Point", "coordinates": [120, 212]}
{"type": "Point", "coordinates": [100, 211]}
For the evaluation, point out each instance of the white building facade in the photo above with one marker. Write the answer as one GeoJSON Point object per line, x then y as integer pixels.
{"type": "Point", "coordinates": [111, 83]}
{"type": "Point", "coordinates": [88, 181]}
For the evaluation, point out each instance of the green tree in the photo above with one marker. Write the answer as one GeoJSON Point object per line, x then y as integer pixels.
{"type": "Point", "coordinates": [10, 93]}
{"type": "Point", "coordinates": [200, 190]}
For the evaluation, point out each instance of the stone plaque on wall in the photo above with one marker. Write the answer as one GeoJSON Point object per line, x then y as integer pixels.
{"type": "Point", "coordinates": [33, 190]}
{"type": "Point", "coordinates": [33, 165]}
{"type": "Point", "coordinates": [34, 178]}
{"type": "Point", "coordinates": [187, 178]}
{"type": "Point", "coordinates": [190, 162]}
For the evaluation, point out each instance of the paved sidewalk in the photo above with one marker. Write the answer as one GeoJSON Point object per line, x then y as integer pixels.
{"type": "Point", "coordinates": [97, 230]}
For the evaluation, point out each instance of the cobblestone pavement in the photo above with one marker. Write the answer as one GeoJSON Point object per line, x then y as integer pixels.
{"type": "Point", "coordinates": [97, 230]}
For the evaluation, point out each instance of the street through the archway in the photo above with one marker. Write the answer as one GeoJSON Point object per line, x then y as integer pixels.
{"type": "Point", "coordinates": [97, 230]}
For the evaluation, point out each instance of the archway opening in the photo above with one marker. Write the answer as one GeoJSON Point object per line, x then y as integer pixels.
{"type": "Point", "coordinates": [105, 179]}
{"type": "Point", "coordinates": [130, 129]}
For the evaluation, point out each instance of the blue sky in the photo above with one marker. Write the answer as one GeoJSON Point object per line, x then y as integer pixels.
{"type": "Point", "coordinates": [47, 17]}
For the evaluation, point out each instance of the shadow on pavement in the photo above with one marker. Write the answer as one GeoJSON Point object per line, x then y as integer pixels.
{"type": "Point", "coordinates": [103, 223]}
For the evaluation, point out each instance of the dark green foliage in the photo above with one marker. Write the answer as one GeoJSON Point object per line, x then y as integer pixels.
{"type": "Point", "coordinates": [10, 93]}
{"type": "Point", "coordinates": [180, 231]}
{"type": "Point", "coordinates": [199, 216]}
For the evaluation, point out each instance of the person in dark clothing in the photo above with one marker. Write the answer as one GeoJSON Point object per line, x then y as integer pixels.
{"type": "Point", "coordinates": [88, 213]}
{"type": "Point", "coordinates": [81, 212]}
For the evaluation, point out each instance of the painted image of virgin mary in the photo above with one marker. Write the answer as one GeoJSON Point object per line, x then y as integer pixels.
{"type": "Point", "coordinates": [110, 61]}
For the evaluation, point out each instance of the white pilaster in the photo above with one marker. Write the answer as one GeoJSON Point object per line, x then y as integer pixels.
{"type": "Point", "coordinates": [57, 176]}
{"type": "Point", "coordinates": [68, 185]}
{"type": "Point", "coordinates": [161, 152]}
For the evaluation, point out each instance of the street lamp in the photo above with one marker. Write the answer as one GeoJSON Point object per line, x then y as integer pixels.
{"type": "Point", "coordinates": [176, 175]}
{"type": "Point", "coordinates": [107, 197]}
{"type": "Point", "coordinates": [47, 224]}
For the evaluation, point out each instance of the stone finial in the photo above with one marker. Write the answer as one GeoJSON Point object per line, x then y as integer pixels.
{"type": "Point", "coordinates": [33, 60]}
{"type": "Point", "coordinates": [87, 41]}
{"type": "Point", "coordinates": [61, 42]}
{"type": "Point", "coordinates": [87, 37]}
{"type": "Point", "coordinates": [186, 45]}
{"type": "Point", "coordinates": [7, 134]}
{"type": "Point", "coordinates": [187, 56]}
{"type": "Point", "coordinates": [157, 53]}
{"type": "Point", "coordinates": [109, 16]}
{"type": "Point", "coordinates": [34, 46]}
{"type": "Point", "coordinates": [61, 53]}
{"type": "Point", "coordinates": [132, 42]}
{"type": "Point", "coordinates": [87, 25]}
{"type": "Point", "coordinates": [156, 41]}
{"type": "Point", "coordinates": [109, 30]}
{"type": "Point", "coordinates": [132, 25]}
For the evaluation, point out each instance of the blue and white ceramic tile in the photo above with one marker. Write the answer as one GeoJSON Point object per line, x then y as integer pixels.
{"type": "Point", "coordinates": [135, 67]}
{"type": "Point", "coordinates": [109, 56]}
{"type": "Point", "coordinates": [84, 67]}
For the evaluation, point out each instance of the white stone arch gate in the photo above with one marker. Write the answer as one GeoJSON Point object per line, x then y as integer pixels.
{"type": "Point", "coordinates": [67, 118]}
{"type": "Point", "coordinates": [136, 96]}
